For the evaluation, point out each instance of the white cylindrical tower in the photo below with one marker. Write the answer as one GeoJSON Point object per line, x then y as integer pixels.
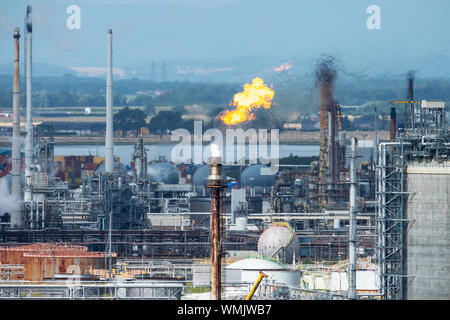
{"type": "Point", "coordinates": [29, 124]}
{"type": "Point", "coordinates": [15, 170]}
{"type": "Point", "coordinates": [109, 143]}
{"type": "Point", "coordinates": [352, 232]}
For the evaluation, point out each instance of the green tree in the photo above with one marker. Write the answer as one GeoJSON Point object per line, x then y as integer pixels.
{"type": "Point", "coordinates": [178, 108]}
{"type": "Point", "coordinates": [67, 99]}
{"type": "Point", "coordinates": [164, 121]}
{"type": "Point", "coordinates": [93, 100]}
{"type": "Point", "coordinates": [150, 109]}
{"type": "Point", "coordinates": [129, 119]}
{"type": "Point", "coordinates": [120, 100]}
{"type": "Point", "coordinates": [214, 112]}
{"type": "Point", "coordinates": [141, 100]}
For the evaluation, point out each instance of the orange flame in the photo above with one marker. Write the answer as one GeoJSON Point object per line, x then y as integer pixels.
{"type": "Point", "coordinates": [284, 66]}
{"type": "Point", "coordinates": [254, 96]}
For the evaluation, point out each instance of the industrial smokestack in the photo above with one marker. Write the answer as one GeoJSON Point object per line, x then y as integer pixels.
{"type": "Point", "coordinates": [16, 188]}
{"type": "Point", "coordinates": [325, 74]}
{"type": "Point", "coordinates": [215, 184]}
{"type": "Point", "coordinates": [375, 137]}
{"type": "Point", "coordinates": [29, 124]}
{"type": "Point", "coordinates": [411, 85]}
{"type": "Point", "coordinates": [109, 143]}
{"type": "Point", "coordinates": [352, 232]}
{"type": "Point", "coordinates": [411, 98]}
{"type": "Point", "coordinates": [393, 124]}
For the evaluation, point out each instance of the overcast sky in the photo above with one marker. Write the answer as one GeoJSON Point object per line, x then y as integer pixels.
{"type": "Point", "coordinates": [147, 30]}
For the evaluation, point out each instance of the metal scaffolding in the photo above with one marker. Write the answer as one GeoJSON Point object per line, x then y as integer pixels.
{"type": "Point", "coordinates": [81, 290]}
{"type": "Point", "coordinates": [390, 218]}
{"type": "Point", "coordinates": [424, 140]}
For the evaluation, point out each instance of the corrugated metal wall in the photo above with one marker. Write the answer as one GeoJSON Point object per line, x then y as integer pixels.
{"type": "Point", "coordinates": [428, 237]}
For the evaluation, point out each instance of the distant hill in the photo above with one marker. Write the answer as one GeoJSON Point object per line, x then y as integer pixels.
{"type": "Point", "coordinates": [295, 93]}
{"type": "Point", "coordinates": [237, 40]}
{"type": "Point", "coordinates": [39, 69]}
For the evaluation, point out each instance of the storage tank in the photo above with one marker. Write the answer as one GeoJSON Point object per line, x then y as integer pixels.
{"type": "Point", "coordinates": [252, 177]}
{"type": "Point", "coordinates": [279, 241]}
{"type": "Point", "coordinates": [427, 239]}
{"type": "Point", "coordinates": [247, 271]}
{"type": "Point", "coordinates": [40, 266]}
{"type": "Point", "coordinates": [45, 260]}
{"type": "Point", "coordinates": [102, 168]}
{"type": "Point", "coordinates": [163, 171]}
{"type": "Point", "coordinates": [241, 223]}
{"type": "Point", "coordinates": [200, 179]}
{"type": "Point", "coordinates": [201, 173]}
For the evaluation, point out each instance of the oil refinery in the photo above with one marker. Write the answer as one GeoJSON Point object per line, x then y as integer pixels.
{"type": "Point", "coordinates": [340, 227]}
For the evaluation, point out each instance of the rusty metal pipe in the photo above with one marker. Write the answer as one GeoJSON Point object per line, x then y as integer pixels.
{"type": "Point", "coordinates": [215, 245]}
{"type": "Point", "coordinates": [215, 184]}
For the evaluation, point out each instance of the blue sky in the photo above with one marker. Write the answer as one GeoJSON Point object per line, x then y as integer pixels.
{"type": "Point", "coordinates": [412, 32]}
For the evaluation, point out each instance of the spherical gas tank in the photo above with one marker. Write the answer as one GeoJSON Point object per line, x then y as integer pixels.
{"type": "Point", "coordinates": [252, 177]}
{"type": "Point", "coordinates": [163, 171]}
{"type": "Point", "coordinates": [279, 241]}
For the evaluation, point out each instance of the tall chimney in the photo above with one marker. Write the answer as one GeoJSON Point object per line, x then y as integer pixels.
{"type": "Point", "coordinates": [29, 124]}
{"type": "Point", "coordinates": [393, 124]}
{"type": "Point", "coordinates": [375, 138]}
{"type": "Point", "coordinates": [16, 188]}
{"type": "Point", "coordinates": [352, 231]}
{"type": "Point", "coordinates": [109, 143]}
{"type": "Point", "coordinates": [411, 98]}
{"type": "Point", "coordinates": [215, 184]}
{"type": "Point", "coordinates": [325, 97]}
